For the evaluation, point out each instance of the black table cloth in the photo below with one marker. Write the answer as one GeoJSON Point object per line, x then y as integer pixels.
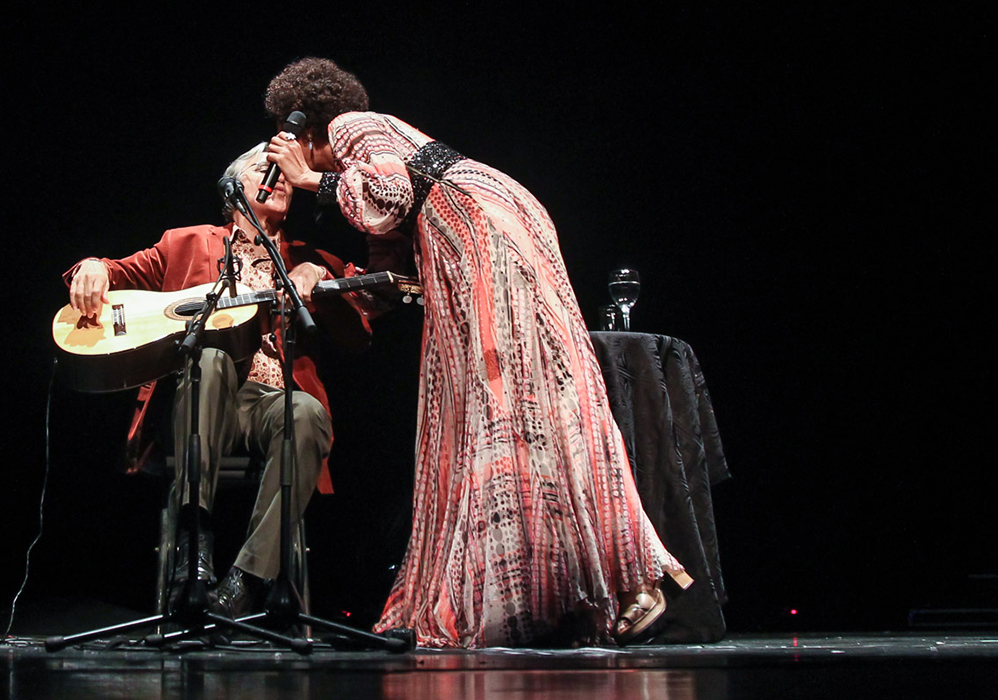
{"type": "Point", "coordinates": [660, 401]}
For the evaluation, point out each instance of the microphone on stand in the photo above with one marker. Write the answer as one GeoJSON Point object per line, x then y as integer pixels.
{"type": "Point", "coordinates": [231, 190]}
{"type": "Point", "coordinates": [294, 125]}
{"type": "Point", "coordinates": [230, 267]}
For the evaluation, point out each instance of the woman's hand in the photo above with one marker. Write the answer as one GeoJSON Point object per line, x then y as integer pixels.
{"type": "Point", "coordinates": [290, 155]}
{"type": "Point", "coordinates": [88, 290]}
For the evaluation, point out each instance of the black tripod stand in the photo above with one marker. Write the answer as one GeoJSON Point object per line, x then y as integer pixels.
{"type": "Point", "coordinates": [191, 612]}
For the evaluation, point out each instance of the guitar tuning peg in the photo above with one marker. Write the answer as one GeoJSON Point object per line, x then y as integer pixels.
{"type": "Point", "coordinates": [420, 301]}
{"type": "Point", "coordinates": [407, 299]}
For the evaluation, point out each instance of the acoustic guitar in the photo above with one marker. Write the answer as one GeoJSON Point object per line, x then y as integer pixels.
{"type": "Point", "coordinates": [135, 339]}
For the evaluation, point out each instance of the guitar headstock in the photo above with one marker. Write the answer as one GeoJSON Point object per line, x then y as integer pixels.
{"type": "Point", "coordinates": [410, 288]}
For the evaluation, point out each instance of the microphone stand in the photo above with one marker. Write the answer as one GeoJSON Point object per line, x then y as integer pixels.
{"type": "Point", "coordinates": [283, 605]}
{"type": "Point", "coordinates": [192, 612]}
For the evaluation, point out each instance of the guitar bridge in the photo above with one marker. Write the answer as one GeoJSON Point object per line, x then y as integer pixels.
{"type": "Point", "coordinates": [118, 319]}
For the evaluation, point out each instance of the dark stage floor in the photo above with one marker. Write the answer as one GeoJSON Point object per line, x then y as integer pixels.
{"type": "Point", "coordinates": [961, 666]}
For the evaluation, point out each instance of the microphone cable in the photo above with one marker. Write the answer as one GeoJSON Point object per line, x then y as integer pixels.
{"type": "Point", "coordinates": [41, 504]}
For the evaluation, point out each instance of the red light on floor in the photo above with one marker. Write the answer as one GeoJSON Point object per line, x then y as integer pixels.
{"type": "Point", "coordinates": [793, 611]}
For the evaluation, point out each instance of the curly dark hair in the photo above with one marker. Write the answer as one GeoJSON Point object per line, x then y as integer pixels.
{"type": "Point", "coordinates": [319, 88]}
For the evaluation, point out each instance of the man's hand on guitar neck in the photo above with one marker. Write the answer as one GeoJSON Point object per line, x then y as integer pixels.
{"type": "Point", "coordinates": [305, 276]}
{"type": "Point", "coordinates": [88, 290]}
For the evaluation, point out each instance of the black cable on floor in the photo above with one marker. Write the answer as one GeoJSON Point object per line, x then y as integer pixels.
{"type": "Point", "coordinates": [41, 505]}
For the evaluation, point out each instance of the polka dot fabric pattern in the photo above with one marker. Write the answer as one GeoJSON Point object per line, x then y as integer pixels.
{"type": "Point", "coordinates": [527, 523]}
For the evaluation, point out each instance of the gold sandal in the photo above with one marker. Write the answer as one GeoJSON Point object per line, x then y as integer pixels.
{"type": "Point", "coordinates": [639, 609]}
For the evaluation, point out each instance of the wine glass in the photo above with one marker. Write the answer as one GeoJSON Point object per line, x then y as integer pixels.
{"type": "Point", "coordinates": [624, 286]}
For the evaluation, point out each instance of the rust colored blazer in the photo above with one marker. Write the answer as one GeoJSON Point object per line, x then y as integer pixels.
{"type": "Point", "coordinates": [187, 257]}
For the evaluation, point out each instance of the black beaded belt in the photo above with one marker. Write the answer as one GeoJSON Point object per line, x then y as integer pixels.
{"type": "Point", "coordinates": [427, 164]}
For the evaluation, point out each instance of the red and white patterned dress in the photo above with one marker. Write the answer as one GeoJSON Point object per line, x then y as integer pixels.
{"type": "Point", "coordinates": [525, 511]}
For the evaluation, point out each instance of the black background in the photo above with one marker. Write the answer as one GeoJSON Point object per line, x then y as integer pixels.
{"type": "Point", "coordinates": [803, 190]}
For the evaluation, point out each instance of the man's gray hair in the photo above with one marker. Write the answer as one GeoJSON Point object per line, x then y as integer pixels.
{"type": "Point", "coordinates": [237, 167]}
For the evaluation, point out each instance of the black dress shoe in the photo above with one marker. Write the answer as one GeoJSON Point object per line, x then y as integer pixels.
{"type": "Point", "coordinates": [239, 593]}
{"type": "Point", "coordinates": [181, 565]}
{"type": "Point", "coordinates": [206, 562]}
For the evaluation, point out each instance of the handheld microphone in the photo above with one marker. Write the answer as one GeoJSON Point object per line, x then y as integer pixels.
{"type": "Point", "coordinates": [294, 124]}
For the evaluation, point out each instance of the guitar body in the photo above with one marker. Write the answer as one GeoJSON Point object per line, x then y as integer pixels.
{"type": "Point", "coordinates": [135, 339]}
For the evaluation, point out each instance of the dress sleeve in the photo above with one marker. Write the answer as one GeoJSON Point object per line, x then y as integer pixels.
{"type": "Point", "coordinates": [374, 190]}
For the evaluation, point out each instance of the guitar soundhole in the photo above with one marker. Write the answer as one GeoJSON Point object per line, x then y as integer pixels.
{"type": "Point", "coordinates": [183, 309]}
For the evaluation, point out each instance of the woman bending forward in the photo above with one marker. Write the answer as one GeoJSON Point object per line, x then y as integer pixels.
{"type": "Point", "coordinates": [527, 525]}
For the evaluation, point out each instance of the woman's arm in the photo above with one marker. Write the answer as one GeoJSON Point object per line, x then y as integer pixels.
{"type": "Point", "coordinates": [372, 185]}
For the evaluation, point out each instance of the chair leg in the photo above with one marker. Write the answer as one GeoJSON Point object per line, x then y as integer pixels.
{"type": "Point", "coordinates": [162, 561]}
{"type": "Point", "coordinates": [167, 552]}
{"type": "Point", "coordinates": [299, 573]}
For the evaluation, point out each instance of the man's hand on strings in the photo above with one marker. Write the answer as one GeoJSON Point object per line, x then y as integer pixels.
{"type": "Point", "coordinates": [88, 290]}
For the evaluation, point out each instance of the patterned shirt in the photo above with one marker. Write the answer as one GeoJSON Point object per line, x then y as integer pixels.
{"type": "Point", "coordinates": [258, 274]}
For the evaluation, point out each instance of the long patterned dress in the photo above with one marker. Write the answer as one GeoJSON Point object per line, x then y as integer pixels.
{"type": "Point", "coordinates": [526, 517]}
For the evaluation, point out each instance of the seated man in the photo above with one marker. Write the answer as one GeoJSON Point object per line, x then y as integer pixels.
{"type": "Point", "coordinates": [240, 405]}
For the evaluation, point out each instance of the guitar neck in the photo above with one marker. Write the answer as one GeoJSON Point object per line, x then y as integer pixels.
{"type": "Point", "coordinates": [342, 285]}
{"type": "Point", "coordinates": [261, 297]}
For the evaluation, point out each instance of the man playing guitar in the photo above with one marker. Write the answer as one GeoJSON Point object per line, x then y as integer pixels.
{"type": "Point", "coordinates": [241, 401]}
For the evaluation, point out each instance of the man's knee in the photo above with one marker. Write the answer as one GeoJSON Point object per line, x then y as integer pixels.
{"type": "Point", "coordinates": [311, 419]}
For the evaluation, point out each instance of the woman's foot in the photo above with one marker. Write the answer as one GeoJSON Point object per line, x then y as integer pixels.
{"type": "Point", "coordinates": [638, 611]}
